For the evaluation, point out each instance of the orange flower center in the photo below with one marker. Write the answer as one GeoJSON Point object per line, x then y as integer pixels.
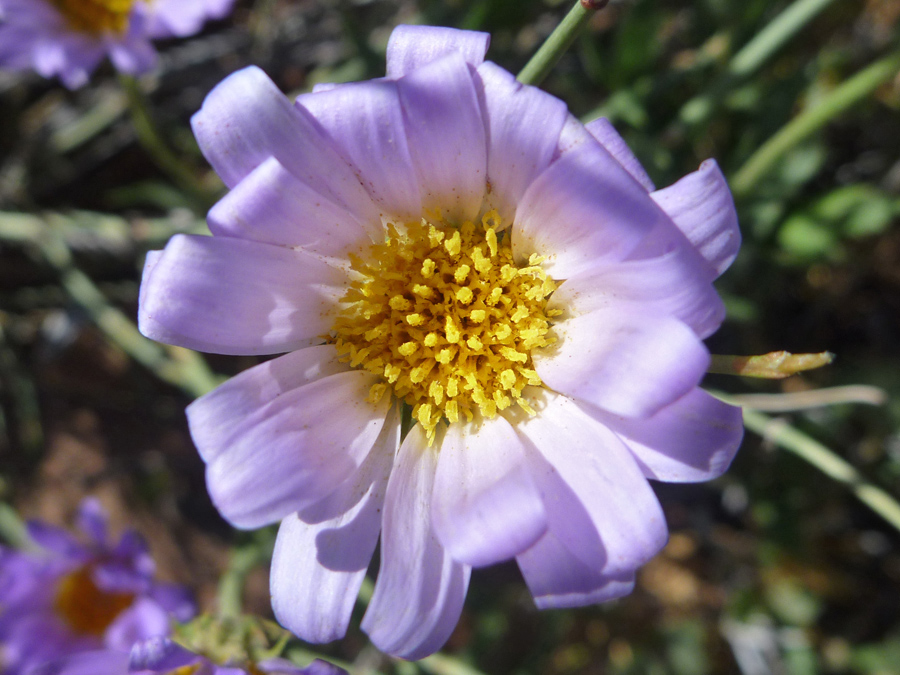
{"type": "Point", "coordinates": [86, 608]}
{"type": "Point", "coordinates": [96, 17]}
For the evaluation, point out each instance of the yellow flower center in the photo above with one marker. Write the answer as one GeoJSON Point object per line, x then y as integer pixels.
{"type": "Point", "coordinates": [447, 319]}
{"type": "Point", "coordinates": [84, 607]}
{"type": "Point", "coordinates": [96, 16]}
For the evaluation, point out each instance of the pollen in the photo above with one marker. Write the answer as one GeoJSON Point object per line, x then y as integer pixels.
{"type": "Point", "coordinates": [96, 17]}
{"type": "Point", "coordinates": [447, 320]}
{"type": "Point", "coordinates": [86, 608]}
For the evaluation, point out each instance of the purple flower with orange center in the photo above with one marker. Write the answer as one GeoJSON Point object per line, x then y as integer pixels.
{"type": "Point", "coordinates": [493, 325]}
{"type": "Point", "coordinates": [72, 596]}
{"type": "Point", "coordinates": [68, 38]}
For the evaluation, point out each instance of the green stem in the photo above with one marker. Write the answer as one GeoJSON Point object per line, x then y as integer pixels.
{"type": "Point", "coordinates": [775, 35]}
{"type": "Point", "coordinates": [854, 90]}
{"type": "Point", "coordinates": [231, 585]}
{"type": "Point", "coordinates": [825, 460]}
{"type": "Point", "coordinates": [22, 391]}
{"type": "Point", "coordinates": [558, 42]}
{"type": "Point", "coordinates": [152, 141]}
{"type": "Point", "coordinates": [12, 529]}
{"type": "Point", "coordinates": [442, 664]}
{"type": "Point", "coordinates": [752, 56]}
{"type": "Point", "coordinates": [180, 367]}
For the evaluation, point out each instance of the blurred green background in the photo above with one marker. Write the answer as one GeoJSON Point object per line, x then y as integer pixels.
{"type": "Point", "coordinates": [774, 568]}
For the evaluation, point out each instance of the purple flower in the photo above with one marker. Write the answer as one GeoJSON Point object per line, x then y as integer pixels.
{"type": "Point", "coordinates": [68, 38]}
{"type": "Point", "coordinates": [72, 596]}
{"type": "Point", "coordinates": [452, 241]}
{"type": "Point", "coordinates": [161, 656]}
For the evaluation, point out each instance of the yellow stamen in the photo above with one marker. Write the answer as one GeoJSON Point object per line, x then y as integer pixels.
{"type": "Point", "coordinates": [467, 347]}
{"type": "Point", "coordinates": [96, 17]}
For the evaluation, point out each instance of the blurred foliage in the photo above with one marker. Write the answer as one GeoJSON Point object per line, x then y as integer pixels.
{"type": "Point", "coordinates": [771, 569]}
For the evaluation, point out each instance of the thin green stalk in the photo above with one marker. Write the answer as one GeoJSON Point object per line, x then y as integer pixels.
{"type": "Point", "coordinates": [752, 56]}
{"type": "Point", "coordinates": [231, 585]}
{"type": "Point", "coordinates": [851, 92]}
{"type": "Point", "coordinates": [775, 35]}
{"type": "Point", "coordinates": [180, 367]}
{"type": "Point", "coordinates": [558, 42]}
{"type": "Point", "coordinates": [12, 529]}
{"type": "Point", "coordinates": [825, 460]}
{"type": "Point", "coordinates": [22, 391]}
{"type": "Point", "coordinates": [442, 664]}
{"type": "Point", "coordinates": [152, 141]}
{"type": "Point", "coordinates": [88, 232]}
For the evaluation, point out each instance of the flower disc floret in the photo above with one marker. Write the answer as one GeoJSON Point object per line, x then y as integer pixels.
{"type": "Point", "coordinates": [96, 17]}
{"type": "Point", "coordinates": [87, 609]}
{"type": "Point", "coordinates": [447, 319]}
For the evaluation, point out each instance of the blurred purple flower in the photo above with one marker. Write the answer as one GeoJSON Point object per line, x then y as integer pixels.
{"type": "Point", "coordinates": [73, 596]}
{"type": "Point", "coordinates": [451, 239]}
{"type": "Point", "coordinates": [68, 38]}
{"type": "Point", "coordinates": [162, 656]}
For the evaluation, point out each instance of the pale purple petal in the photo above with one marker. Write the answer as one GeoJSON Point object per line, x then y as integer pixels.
{"type": "Point", "coordinates": [270, 205]}
{"type": "Point", "coordinates": [319, 565]}
{"type": "Point", "coordinates": [446, 136]}
{"type": "Point", "coordinates": [572, 136]}
{"type": "Point", "coordinates": [294, 451]}
{"type": "Point", "coordinates": [693, 439]}
{"type": "Point", "coordinates": [485, 507]}
{"type": "Point", "coordinates": [232, 296]}
{"type": "Point", "coordinates": [411, 47]}
{"type": "Point", "coordinates": [22, 578]}
{"type": "Point", "coordinates": [215, 417]}
{"type": "Point", "coordinates": [702, 207]}
{"type": "Point", "coordinates": [623, 360]}
{"type": "Point", "coordinates": [670, 284]}
{"type": "Point", "coordinates": [420, 589]}
{"type": "Point", "coordinates": [56, 540]}
{"type": "Point", "coordinates": [365, 120]}
{"type": "Point", "coordinates": [100, 662]}
{"type": "Point", "coordinates": [175, 599]}
{"type": "Point", "coordinates": [559, 580]}
{"type": "Point", "coordinates": [599, 504]}
{"type": "Point", "coordinates": [180, 18]}
{"type": "Point", "coordinates": [584, 210]}
{"type": "Point", "coordinates": [121, 573]}
{"type": "Point", "coordinates": [609, 138]}
{"type": "Point", "coordinates": [92, 520]}
{"type": "Point", "coordinates": [150, 261]}
{"type": "Point", "coordinates": [134, 57]}
{"type": "Point", "coordinates": [246, 119]}
{"type": "Point", "coordinates": [35, 638]}
{"type": "Point", "coordinates": [523, 127]}
{"type": "Point", "coordinates": [49, 57]}
{"type": "Point", "coordinates": [133, 548]}
{"type": "Point", "coordinates": [143, 619]}
{"type": "Point", "coordinates": [160, 654]}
